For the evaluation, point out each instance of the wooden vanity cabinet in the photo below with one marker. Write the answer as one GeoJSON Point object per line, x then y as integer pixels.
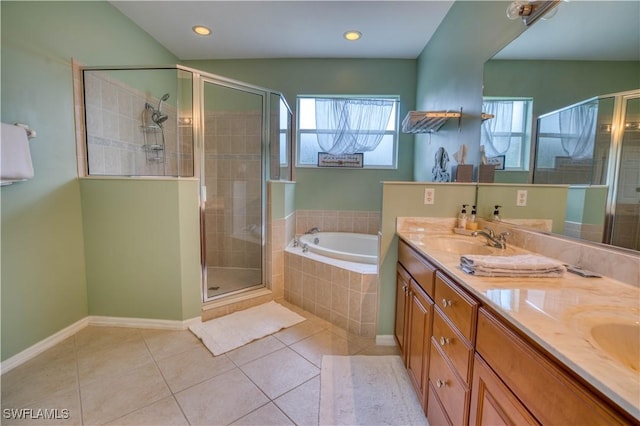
{"type": "Point", "coordinates": [402, 303]}
{"type": "Point", "coordinates": [548, 392]}
{"type": "Point", "coordinates": [452, 350]}
{"type": "Point", "coordinates": [469, 365]}
{"type": "Point", "coordinates": [414, 315]}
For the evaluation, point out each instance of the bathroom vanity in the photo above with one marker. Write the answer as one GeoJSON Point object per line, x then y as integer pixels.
{"type": "Point", "coordinates": [489, 350]}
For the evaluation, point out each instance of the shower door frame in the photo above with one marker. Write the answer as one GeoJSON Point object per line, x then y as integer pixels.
{"type": "Point", "coordinates": [199, 80]}
{"type": "Point", "coordinates": [615, 159]}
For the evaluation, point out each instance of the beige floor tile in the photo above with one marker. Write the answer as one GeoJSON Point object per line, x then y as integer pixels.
{"type": "Point", "coordinates": [300, 331]}
{"type": "Point", "coordinates": [115, 396]}
{"type": "Point", "coordinates": [323, 343]}
{"type": "Point", "coordinates": [356, 342]}
{"type": "Point", "coordinates": [164, 343]}
{"type": "Point", "coordinates": [192, 367]}
{"type": "Point", "coordinates": [279, 372]}
{"type": "Point", "coordinates": [267, 415]}
{"type": "Point", "coordinates": [254, 350]}
{"type": "Point", "coordinates": [113, 360]}
{"type": "Point", "coordinates": [165, 412]}
{"type": "Point", "coordinates": [62, 408]}
{"type": "Point", "coordinates": [302, 404]}
{"type": "Point", "coordinates": [221, 400]}
{"type": "Point", "coordinates": [96, 338]}
{"type": "Point", "coordinates": [51, 372]}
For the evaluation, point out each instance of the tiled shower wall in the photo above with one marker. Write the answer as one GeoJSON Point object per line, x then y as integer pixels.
{"type": "Point", "coordinates": [233, 168]}
{"type": "Point", "coordinates": [115, 136]}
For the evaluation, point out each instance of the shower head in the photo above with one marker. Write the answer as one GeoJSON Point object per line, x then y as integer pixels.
{"type": "Point", "coordinates": [162, 99]}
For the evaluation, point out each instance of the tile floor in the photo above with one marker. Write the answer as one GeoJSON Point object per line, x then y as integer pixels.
{"type": "Point", "coordinates": [125, 376]}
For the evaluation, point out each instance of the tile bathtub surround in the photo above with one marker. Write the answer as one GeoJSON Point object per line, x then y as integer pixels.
{"type": "Point", "coordinates": [125, 376]}
{"type": "Point", "coordinates": [361, 222]}
{"type": "Point", "coordinates": [346, 298]}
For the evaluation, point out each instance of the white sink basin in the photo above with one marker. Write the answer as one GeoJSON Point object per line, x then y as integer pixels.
{"type": "Point", "coordinates": [459, 245]}
{"type": "Point", "coordinates": [621, 341]}
{"type": "Point", "coordinates": [615, 330]}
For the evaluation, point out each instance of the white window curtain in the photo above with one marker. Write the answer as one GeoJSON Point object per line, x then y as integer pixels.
{"type": "Point", "coordinates": [496, 132]}
{"type": "Point", "coordinates": [347, 126]}
{"type": "Point", "coordinates": [578, 130]}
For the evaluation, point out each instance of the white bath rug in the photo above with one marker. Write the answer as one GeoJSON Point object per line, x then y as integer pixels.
{"type": "Point", "coordinates": [231, 331]}
{"type": "Point", "coordinates": [367, 390]}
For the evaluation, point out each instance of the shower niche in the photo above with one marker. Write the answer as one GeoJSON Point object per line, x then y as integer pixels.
{"type": "Point", "coordinates": [178, 122]}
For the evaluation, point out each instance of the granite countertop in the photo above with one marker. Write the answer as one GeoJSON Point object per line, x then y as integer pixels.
{"type": "Point", "coordinates": [557, 313]}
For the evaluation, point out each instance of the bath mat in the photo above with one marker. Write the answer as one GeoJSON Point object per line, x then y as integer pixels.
{"type": "Point", "coordinates": [367, 390]}
{"type": "Point", "coordinates": [231, 331]}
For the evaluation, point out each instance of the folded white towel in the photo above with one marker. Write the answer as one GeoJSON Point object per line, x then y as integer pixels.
{"type": "Point", "coordinates": [525, 265]}
{"type": "Point", "coordinates": [15, 161]}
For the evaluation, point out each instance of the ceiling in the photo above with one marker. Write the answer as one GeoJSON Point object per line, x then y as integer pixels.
{"type": "Point", "coordinates": [289, 29]}
{"type": "Point", "coordinates": [580, 29]}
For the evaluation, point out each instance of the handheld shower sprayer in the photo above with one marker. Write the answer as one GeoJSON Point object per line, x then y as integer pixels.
{"type": "Point", "coordinates": [157, 116]}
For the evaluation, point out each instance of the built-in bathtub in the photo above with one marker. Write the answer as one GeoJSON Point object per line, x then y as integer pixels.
{"type": "Point", "coordinates": [359, 248]}
{"type": "Point", "coordinates": [330, 284]}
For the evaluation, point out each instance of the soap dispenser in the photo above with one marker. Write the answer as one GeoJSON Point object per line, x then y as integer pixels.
{"type": "Point", "coordinates": [472, 225]}
{"type": "Point", "coordinates": [496, 213]}
{"type": "Point", "coordinates": [462, 217]}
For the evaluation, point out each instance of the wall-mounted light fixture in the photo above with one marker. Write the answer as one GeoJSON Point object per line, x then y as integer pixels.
{"type": "Point", "coordinates": [530, 10]}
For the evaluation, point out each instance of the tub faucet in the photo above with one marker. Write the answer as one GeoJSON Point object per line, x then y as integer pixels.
{"type": "Point", "coordinates": [497, 241]}
{"type": "Point", "coordinates": [313, 230]}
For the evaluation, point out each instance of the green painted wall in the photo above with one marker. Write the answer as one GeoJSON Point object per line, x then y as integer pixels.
{"type": "Point", "coordinates": [406, 199]}
{"type": "Point", "coordinates": [283, 197]}
{"type": "Point", "coordinates": [43, 266]}
{"type": "Point", "coordinates": [587, 204]}
{"type": "Point", "coordinates": [450, 72]}
{"type": "Point", "coordinates": [331, 188]}
{"type": "Point", "coordinates": [543, 202]}
{"type": "Point", "coordinates": [134, 255]}
{"type": "Point", "coordinates": [556, 84]}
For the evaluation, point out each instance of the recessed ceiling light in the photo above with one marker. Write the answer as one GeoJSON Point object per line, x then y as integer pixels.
{"type": "Point", "coordinates": [352, 35]}
{"type": "Point", "coordinates": [201, 30]}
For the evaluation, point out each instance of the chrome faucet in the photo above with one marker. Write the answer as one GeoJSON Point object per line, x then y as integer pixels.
{"type": "Point", "coordinates": [497, 241]}
{"type": "Point", "coordinates": [313, 230]}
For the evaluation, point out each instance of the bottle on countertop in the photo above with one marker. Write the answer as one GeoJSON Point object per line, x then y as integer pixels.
{"type": "Point", "coordinates": [472, 225]}
{"type": "Point", "coordinates": [462, 217]}
{"type": "Point", "coordinates": [496, 213]}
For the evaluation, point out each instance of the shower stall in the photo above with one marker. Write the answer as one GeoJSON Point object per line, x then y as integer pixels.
{"type": "Point", "coordinates": [177, 122]}
{"type": "Point", "coordinates": [596, 143]}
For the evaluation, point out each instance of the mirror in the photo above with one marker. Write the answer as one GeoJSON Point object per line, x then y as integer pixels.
{"type": "Point", "coordinates": [280, 146]}
{"type": "Point", "coordinates": [586, 50]}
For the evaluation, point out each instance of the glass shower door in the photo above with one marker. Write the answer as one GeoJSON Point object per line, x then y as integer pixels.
{"type": "Point", "coordinates": [626, 220]}
{"type": "Point", "coordinates": [232, 172]}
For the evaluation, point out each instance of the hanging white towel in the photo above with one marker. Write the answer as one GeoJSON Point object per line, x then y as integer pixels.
{"type": "Point", "coordinates": [15, 157]}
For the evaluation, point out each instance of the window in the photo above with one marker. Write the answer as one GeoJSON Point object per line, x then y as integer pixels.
{"type": "Point", "coordinates": [382, 153]}
{"type": "Point", "coordinates": [508, 133]}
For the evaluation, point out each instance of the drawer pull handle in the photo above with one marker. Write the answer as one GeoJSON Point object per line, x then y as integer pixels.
{"type": "Point", "coordinates": [446, 303]}
{"type": "Point", "coordinates": [441, 383]}
{"type": "Point", "coordinates": [444, 340]}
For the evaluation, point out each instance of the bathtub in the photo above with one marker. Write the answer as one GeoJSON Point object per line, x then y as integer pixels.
{"type": "Point", "coordinates": [360, 248]}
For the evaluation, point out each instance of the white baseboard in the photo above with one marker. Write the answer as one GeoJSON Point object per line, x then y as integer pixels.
{"type": "Point", "coordinates": [385, 340]}
{"type": "Point", "coordinates": [49, 342]}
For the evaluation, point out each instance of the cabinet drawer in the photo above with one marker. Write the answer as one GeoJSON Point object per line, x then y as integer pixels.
{"type": "Point", "coordinates": [453, 345]}
{"type": "Point", "coordinates": [435, 413]}
{"type": "Point", "coordinates": [421, 270]}
{"type": "Point", "coordinates": [447, 387]}
{"type": "Point", "coordinates": [549, 393]}
{"type": "Point", "coordinates": [459, 308]}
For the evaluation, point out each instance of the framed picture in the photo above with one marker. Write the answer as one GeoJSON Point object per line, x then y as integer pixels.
{"type": "Point", "coordinates": [497, 161]}
{"type": "Point", "coordinates": [354, 161]}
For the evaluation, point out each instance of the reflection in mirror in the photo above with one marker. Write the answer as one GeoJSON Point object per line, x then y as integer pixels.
{"type": "Point", "coordinates": [586, 52]}
{"type": "Point", "coordinates": [280, 138]}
